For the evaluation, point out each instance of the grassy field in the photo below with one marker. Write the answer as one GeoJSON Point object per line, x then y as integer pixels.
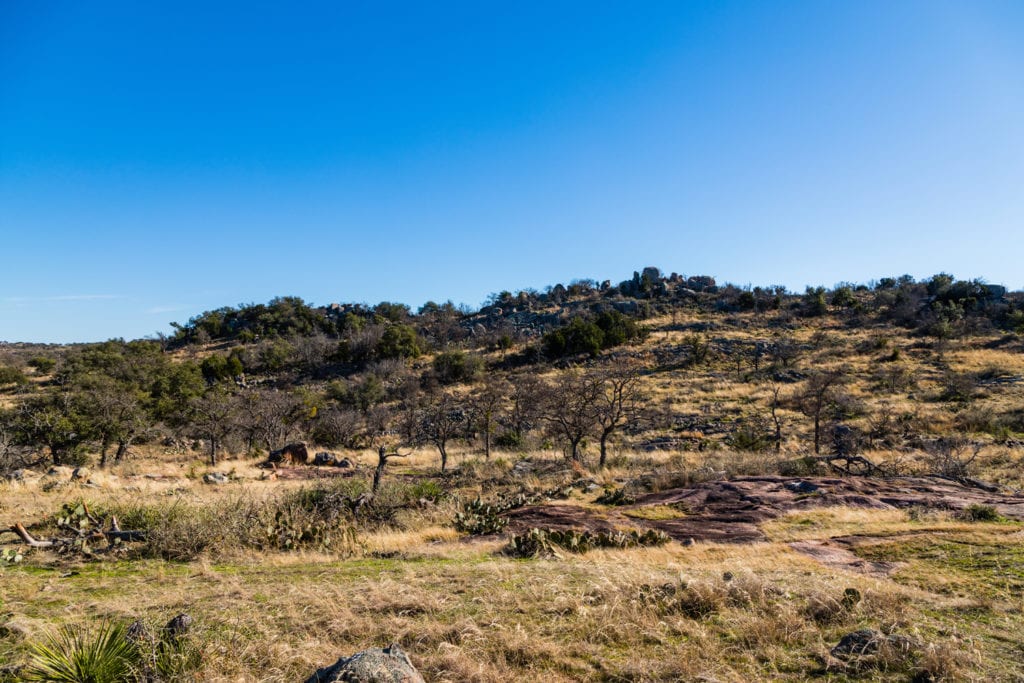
{"type": "Point", "coordinates": [467, 612]}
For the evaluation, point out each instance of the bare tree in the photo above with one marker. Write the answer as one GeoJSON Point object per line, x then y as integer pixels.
{"type": "Point", "coordinates": [617, 401]}
{"type": "Point", "coordinates": [569, 407]}
{"type": "Point", "coordinates": [526, 398]}
{"type": "Point", "coordinates": [776, 420]}
{"type": "Point", "coordinates": [439, 421]}
{"type": "Point", "coordinates": [213, 415]}
{"type": "Point", "coordinates": [486, 403]}
{"type": "Point", "coordinates": [382, 462]}
{"type": "Point", "coordinates": [818, 394]}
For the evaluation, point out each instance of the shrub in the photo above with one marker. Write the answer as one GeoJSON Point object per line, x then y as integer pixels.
{"type": "Point", "coordinates": [455, 366]}
{"type": "Point", "coordinates": [980, 513]}
{"type": "Point", "coordinates": [12, 375]}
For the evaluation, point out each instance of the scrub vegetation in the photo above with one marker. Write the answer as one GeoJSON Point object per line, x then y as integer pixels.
{"type": "Point", "coordinates": [664, 479]}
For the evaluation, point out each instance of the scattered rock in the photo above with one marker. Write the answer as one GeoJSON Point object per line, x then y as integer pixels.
{"type": "Point", "coordinates": [375, 665]}
{"type": "Point", "coordinates": [868, 641]}
{"type": "Point", "coordinates": [81, 473]}
{"type": "Point", "coordinates": [215, 478]}
{"type": "Point", "coordinates": [325, 459]}
{"type": "Point", "coordinates": [59, 472]}
{"type": "Point", "coordinates": [851, 597]}
{"type": "Point", "coordinates": [293, 453]}
{"type": "Point", "coordinates": [802, 487]}
{"type": "Point", "coordinates": [23, 476]}
{"type": "Point", "coordinates": [177, 627]}
{"type": "Point", "coordinates": [522, 468]}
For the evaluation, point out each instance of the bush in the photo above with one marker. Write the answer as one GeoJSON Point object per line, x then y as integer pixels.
{"type": "Point", "coordinates": [610, 329]}
{"type": "Point", "coordinates": [980, 513]}
{"type": "Point", "coordinates": [12, 375]}
{"type": "Point", "coordinates": [451, 367]}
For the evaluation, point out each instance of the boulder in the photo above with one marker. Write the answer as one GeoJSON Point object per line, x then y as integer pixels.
{"type": "Point", "coordinates": [81, 473]}
{"type": "Point", "coordinates": [292, 453]}
{"type": "Point", "coordinates": [215, 478]}
{"type": "Point", "coordinates": [325, 459]}
{"type": "Point", "coordinates": [23, 476]}
{"type": "Point", "coordinates": [59, 472]}
{"type": "Point", "coordinates": [868, 642]}
{"type": "Point", "coordinates": [375, 665]}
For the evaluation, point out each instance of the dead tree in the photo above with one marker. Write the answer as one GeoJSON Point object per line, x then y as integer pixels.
{"type": "Point", "coordinates": [617, 402]}
{"type": "Point", "coordinates": [819, 393]}
{"type": "Point", "coordinates": [382, 462]}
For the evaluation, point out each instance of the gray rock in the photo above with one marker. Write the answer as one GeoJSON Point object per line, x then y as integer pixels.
{"type": "Point", "coordinates": [802, 486]}
{"type": "Point", "coordinates": [868, 641]}
{"type": "Point", "coordinates": [375, 665]}
{"type": "Point", "coordinates": [177, 627]}
{"type": "Point", "coordinates": [59, 472]}
{"type": "Point", "coordinates": [81, 473]}
{"type": "Point", "coordinates": [215, 478]}
{"type": "Point", "coordinates": [23, 475]}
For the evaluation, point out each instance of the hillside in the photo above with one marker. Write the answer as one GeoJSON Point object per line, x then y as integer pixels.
{"type": "Point", "coordinates": [664, 479]}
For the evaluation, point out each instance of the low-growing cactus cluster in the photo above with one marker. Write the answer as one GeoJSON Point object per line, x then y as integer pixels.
{"type": "Point", "coordinates": [615, 497]}
{"type": "Point", "coordinates": [479, 518]}
{"type": "Point", "coordinates": [547, 542]}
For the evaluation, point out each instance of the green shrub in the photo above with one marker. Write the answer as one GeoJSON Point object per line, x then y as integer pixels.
{"type": "Point", "coordinates": [980, 513]}
{"type": "Point", "coordinates": [12, 375]}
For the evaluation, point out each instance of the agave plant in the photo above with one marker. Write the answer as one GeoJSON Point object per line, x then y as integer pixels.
{"type": "Point", "coordinates": [78, 655]}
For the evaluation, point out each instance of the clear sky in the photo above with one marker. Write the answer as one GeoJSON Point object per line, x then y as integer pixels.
{"type": "Point", "coordinates": [158, 159]}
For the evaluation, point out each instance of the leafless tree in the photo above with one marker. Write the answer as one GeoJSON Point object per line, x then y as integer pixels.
{"type": "Point", "coordinates": [617, 401]}
{"type": "Point", "coordinates": [486, 404]}
{"type": "Point", "coordinates": [819, 392]}
{"type": "Point", "coordinates": [214, 417]}
{"type": "Point", "coordinates": [776, 419]}
{"type": "Point", "coordinates": [526, 399]}
{"type": "Point", "coordinates": [440, 419]}
{"type": "Point", "coordinates": [569, 407]}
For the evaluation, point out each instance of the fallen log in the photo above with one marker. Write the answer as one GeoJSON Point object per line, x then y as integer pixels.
{"type": "Point", "coordinates": [27, 538]}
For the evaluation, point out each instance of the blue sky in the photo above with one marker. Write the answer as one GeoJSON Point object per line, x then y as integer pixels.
{"type": "Point", "coordinates": [160, 159]}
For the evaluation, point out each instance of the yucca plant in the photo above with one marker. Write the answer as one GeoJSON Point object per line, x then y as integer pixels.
{"type": "Point", "coordinates": [79, 655]}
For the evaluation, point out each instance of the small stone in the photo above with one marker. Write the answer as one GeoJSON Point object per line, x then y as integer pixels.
{"type": "Point", "coordinates": [178, 627]}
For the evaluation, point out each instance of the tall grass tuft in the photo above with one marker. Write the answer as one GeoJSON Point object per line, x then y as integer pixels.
{"type": "Point", "coordinates": [78, 655]}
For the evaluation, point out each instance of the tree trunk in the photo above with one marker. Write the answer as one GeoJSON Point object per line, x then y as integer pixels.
{"type": "Point", "coordinates": [444, 455]}
{"type": "Point", "coordinates": [104, 447]}
{"type": "Point", "coordinates": [122, 448]}
{"type": "Point", "coordinates": [213, 451]}
{"type": "Point", "coordinates": [817, 432]}
{"type": "Point", "coordinates": [382, 462]}
{"type": "Point", "coordinates": [777, 420]}
{"type": "Point", "coordinates": [575, 449]}
{"type": "Point", "coordinates": [604, 447]}
{"type": "Point", "coordinates": [487, 438]}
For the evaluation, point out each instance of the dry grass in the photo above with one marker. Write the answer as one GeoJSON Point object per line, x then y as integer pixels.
{"type": "Point", "coordinates": [467, 613]}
